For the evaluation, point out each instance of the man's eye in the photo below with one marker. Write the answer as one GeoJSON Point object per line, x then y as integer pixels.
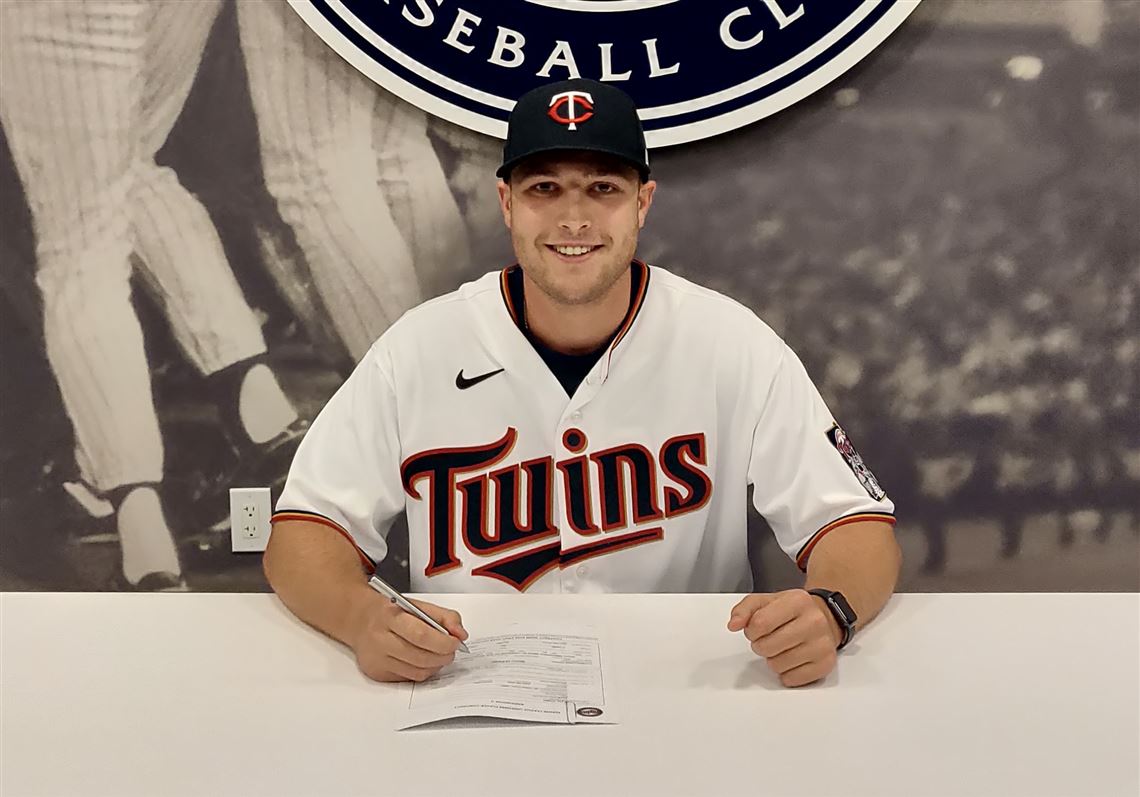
{"type": "Point", "coordinates": [544, 188]}
{"type": "Point", "coordinates": [605, 188]}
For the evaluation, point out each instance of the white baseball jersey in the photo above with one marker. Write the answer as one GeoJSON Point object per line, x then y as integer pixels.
{"type": "Point", "coordinates": [636, 483]}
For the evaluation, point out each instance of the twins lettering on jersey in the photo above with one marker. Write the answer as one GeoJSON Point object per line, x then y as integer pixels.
{"type": "Point", "coordinates": [636, 488]}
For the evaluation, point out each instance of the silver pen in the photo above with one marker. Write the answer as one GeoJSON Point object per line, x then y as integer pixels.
{"type": "Point", "coordinates": [392, 594]}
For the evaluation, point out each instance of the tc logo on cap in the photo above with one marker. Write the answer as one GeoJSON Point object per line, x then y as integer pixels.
{"type": "Point", "coordinates": [579, 107]}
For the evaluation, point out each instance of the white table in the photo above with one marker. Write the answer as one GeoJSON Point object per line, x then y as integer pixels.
{"type": "Point", "coordinates": [202, 694]}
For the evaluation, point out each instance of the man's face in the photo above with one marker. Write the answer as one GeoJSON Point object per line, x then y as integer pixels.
{"type": "Point", "coordinates": [574, 220]}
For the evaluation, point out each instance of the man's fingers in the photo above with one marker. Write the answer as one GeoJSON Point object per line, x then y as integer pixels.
{"type": "Point", "coordinates": [418, 633]}
{"type": "Point", "coordinates": [783, 609]}
{"type": "Point", "coordinates": [403, 650]}
{"type": "Point", "coordinates": [805, 674]}
{"type": "Point", "coordinates": [796, 657]}
{"type": "Point", "coordinates": [391, 671]}
{"type": "Point", "coordinates": [742, 611]}
{"type": "Point", "coordinates": [410, 672]}
{"type": "Point", "coordinates": [393, 645]}
{"type": "Point", "coordinates": [387, 669]}
{"type": "Point", "coordinates": [790, 659]}
{"type": "Point", "coordinates": [789, 632]}
{"type": "Point", "coordinates": [448, 618]}
{"type": "Point", "coordinates": [782, 639]}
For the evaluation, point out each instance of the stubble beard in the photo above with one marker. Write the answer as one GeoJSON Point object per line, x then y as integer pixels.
{"type": "Point", "coordinates": [539, 268]}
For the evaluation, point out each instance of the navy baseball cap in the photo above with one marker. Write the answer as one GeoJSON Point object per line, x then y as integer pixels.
{"type": "Point", "coordinates": [575, 115]}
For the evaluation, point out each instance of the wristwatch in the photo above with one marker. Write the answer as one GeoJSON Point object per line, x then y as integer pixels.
{"type": "Point", "coordinates": [841, 609]}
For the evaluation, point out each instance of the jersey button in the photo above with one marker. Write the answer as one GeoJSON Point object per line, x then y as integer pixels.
{"type": "Point", "coordinates": [582, 571]}
{"type": "Point", "coordinates": [575, 416]}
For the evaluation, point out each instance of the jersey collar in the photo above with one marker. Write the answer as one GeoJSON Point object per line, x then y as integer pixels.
{"type": "Point", "coordinates": [638, 292]}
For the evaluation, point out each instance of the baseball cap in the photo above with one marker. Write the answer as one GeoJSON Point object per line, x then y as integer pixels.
{"type": "Point", "coordinates": [575, 115]}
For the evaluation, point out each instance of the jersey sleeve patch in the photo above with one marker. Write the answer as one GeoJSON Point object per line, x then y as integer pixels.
{"type": "Point", "coordinates": [846, 449]}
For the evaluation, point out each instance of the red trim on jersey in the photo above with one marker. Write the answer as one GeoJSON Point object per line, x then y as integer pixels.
{"type": "Point", "coordinates": [608, 545]}
{"type": "Point", "coordinates": [509, 438]}
{"type": "Point", "coordinates": [630, 315]}
{"type": "Point", "coordinates": [313, 517]}
{"type": "Point", "coordinates": [551, 548]}
{"type": "Point", "coordinates": [506, 291]}
{"type": "Point", "coordinates": [626, 489]}
{"type": "Point", "coordinates": [522, 499]}
{"type": "Point", "coordinates": [566, 443]}
{"type": "Point", "coordinates": [563, 467]}
{"type": "Point", "coordinates": [674, 494]}
{"type": "Point", "coordinates": [635, 305]}
{"type": "Point", "coordinates": [805, 552]}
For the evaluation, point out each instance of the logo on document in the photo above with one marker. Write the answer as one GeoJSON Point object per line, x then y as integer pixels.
{"type": "Point", "coordinates": [589, 711]}
{"type": "Point", "coordinates": [695, 68]}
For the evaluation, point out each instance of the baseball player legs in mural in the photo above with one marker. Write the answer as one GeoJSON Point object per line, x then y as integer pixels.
{"type": "Point", "coordinates": [475, 156]}
{"type": "Point", "coordinates": [416, 187]}
{"type": "Point", "coordinates": [76, 91]}
{"type": "Point", "coordinates": [337, 152]}
{"type": "Point", "coordinates": [580, 422]}
{"type": "Point", "coordinates": [183, 260]}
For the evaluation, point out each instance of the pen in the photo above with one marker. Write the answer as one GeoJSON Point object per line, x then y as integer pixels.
{"type": "Point", "coordinates": [390, 592]}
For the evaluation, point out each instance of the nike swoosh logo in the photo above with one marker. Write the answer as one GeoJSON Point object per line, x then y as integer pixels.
{"type": "Point", "coordinates": [463, 382]}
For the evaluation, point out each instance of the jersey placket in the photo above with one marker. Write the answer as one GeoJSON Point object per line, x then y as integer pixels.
{"type": "Point", "coordinates": [574, 418]}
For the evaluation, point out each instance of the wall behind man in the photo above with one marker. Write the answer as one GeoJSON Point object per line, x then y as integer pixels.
{"type": "Point", "coordinates": [948, 235]}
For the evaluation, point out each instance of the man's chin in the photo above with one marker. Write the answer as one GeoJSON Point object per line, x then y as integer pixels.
{"type": "Point", "coordinates": [570, 296]}
{"type": "Point", "coordinates": [573, 284]}
{"type": "Point", "coordinates": [566, 287]}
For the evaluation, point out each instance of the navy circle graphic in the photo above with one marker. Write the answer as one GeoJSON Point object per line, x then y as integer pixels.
{"type": "Point", "coordinates": [573, 440]}
{"type": "Point", "coordinates": [696, 68]}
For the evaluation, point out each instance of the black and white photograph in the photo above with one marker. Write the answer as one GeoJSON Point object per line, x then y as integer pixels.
{"type": "Point", "coordinates": [207, 217]}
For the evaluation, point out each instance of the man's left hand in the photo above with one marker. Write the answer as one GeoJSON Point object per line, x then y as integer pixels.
{"type": "Point", "coordinates": [793, 630]}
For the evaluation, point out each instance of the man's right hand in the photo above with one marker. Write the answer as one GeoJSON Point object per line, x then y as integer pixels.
{"type": "Point", "coordinates": [392, 645]}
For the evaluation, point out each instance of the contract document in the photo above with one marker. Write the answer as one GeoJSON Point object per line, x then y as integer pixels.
{"type": "Point", "coordinates": [520, 673]}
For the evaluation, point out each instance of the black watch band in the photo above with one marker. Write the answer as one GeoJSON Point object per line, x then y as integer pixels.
{"type": "Point", "coordinates": [844, 615]}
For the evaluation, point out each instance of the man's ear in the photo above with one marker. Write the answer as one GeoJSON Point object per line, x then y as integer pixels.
{"type": "Point", "coordinates": [505, 202]}
{"type": "Point", "coordinates": [644, 200]}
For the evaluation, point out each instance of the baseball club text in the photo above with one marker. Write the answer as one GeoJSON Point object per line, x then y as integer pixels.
{"type": "Point", "coordinates": [740, 29]}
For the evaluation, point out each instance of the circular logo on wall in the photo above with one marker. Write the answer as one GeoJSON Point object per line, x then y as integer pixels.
{"type": "Point", "coordinates": [696, 68]}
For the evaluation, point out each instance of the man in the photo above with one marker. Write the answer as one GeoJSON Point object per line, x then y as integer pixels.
{"type": "Point", "coordinates": [579, 422]}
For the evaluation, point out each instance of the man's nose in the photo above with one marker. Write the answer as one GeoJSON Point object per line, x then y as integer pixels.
{"type": "Point", "coordinates": [574, 226]}
{"type": "Point", "coordinates": [574, 218]}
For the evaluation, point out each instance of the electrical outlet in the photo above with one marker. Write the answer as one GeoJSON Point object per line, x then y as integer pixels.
{"type": "Point", "coordinates": [249, 518]}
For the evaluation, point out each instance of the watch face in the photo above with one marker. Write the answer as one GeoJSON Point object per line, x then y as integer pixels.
{"type": "Point", "coordinates": [844, 606]}
{"type": "Point", "coordinates": [844, 614]}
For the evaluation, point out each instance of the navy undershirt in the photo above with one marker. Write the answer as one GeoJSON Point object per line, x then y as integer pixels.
{"type": "Point", "coordinates": [568, 369]}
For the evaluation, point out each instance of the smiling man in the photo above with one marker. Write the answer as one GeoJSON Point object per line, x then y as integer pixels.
{"type": "Point", "coordinates": [580, 422]}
